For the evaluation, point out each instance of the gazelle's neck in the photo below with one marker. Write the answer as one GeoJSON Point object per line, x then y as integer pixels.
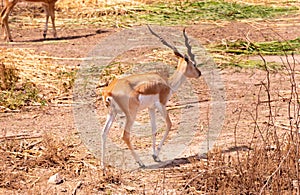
{"type": "Point", "coordinates": [176, 80]}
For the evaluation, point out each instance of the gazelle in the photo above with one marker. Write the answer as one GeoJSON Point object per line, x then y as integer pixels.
{"type": "Point", "coordinates": [130, 94]}
{"type": "Point", "coordinates": [9, 5]}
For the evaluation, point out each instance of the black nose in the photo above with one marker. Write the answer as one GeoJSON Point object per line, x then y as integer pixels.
{"type": "Point", "coordinates": [199, 73]}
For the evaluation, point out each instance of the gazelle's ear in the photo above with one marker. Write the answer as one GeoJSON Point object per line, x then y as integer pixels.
{"type": "Point", "coordinates": [178, 55]}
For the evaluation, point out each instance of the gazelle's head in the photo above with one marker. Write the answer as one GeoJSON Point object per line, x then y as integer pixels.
{"type": "Point", "coordinates": [188, 67]}
{"type": "Point", "coordinates": [186, 64]}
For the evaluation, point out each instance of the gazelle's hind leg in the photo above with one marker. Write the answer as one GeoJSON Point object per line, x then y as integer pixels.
{"type": "Point", "coordinates": [165, 115]}
{"type": "Point", "coordinates": [154, 129]}
{"type": "Point", "coordinates": [126, 137]}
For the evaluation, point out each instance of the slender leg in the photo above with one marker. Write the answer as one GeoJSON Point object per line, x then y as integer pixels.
{"type": "Point", "coordinates": [4, 19]}
{"type": "Point", "coordinates": [47, 10]}
{"type": "Point", "coordinates": [109, 121]}
{"type": "Point", "coordinates": [52, 15]}
{"type": "Point", "coordinates": [165, 115]}
{"type": "Point", "coordinates": [126, 138]}
{"type": "Point", "coordinates": [154, 128]}
{"type": "Point", "coordinates": [50, 12]}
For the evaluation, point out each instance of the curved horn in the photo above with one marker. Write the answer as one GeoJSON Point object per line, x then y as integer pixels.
{"type": "Point", "coordinates": [176, 52]}
{"type": "Point", "coordinates": [189, 47]}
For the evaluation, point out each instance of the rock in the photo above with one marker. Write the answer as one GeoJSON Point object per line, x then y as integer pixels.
{"type": "Point", "coordinates": [55, 179]}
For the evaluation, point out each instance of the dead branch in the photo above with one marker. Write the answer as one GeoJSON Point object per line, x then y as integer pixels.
{"type": "Point", "coordinates": [278, 168]}
{"type": "Point", "coordinates": [20, 136]}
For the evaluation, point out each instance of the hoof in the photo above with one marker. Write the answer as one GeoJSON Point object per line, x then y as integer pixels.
{"type": "Point", "coordinates": [155, 158]}
{"type": "Point", "coordinates": [141, 165]}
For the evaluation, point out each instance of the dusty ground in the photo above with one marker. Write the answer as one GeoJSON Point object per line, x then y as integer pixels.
{"type": "Point", "coordinates": [241, 86]}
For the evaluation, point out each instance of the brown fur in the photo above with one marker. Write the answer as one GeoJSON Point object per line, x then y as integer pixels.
{"type": "Point", "coordinates": [150, 84]}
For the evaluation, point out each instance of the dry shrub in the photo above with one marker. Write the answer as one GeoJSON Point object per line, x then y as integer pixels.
{"type": "Point", "coordinates": [271, 163]}
{"type": "Point", "coordinates": [15, 94]}
{"type": "Point", "coordinates": [8, 77]}
{"type": "Point", "coordinates": [27, 163]}
{"type": "Point", "coordinates": [259, 170]}
{"type": "Point", "coordinates": [22, 157]}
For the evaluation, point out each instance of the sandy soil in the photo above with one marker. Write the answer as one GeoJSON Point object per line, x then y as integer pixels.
{"type": "Point", "coordinates": [241, 87]}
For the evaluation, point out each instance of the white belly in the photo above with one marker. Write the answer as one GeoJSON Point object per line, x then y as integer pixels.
{"type": "Point", "coordinates": [147, 101]}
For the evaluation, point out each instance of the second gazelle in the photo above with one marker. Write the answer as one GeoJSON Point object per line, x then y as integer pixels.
{"type": "Point", "coordinates": [133, 93]}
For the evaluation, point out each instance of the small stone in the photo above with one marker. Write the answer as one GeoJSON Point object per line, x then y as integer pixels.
{"type": "Point", "coordinates": [295, 184]}
{"type": "Point", "coordinates": [55, 179]}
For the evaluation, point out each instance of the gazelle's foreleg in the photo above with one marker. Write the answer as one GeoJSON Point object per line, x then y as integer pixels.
{"type": "Point", "coordinates": [109, 121]}
{"type": "Point", "coordinates": [165, 115]}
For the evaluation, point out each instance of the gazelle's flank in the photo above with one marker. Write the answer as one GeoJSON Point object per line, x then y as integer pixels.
{"type": "Point", "coordinates": [130, 94]}
{"type": "Point", "coordinates": [9, 5]}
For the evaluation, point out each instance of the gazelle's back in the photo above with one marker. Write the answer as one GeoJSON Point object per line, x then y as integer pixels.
{"type": "Point", "coordinates": [144, 89]}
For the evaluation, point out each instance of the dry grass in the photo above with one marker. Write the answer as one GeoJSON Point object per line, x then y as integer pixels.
{"type": "Point", "coordinates": [52, 80]}
{"type": "Point", "coordinates": [26, 161]}
{"type": "Point", "coordinates": [268, 165]}
{"type": "Point", "coordinates": [270, 162]}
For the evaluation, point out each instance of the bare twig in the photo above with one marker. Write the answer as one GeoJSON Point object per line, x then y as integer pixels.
{"type": "Point", "coordinates": [278, 168]}
{"type": "Point", "coordinates": [20, 136]}
{"type": "Point", "coordinates": [78, 185]}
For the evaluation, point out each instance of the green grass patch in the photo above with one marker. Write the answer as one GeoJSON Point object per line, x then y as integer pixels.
{"type": "Point", "coordinates": [174, 13]}
{"type": "Point", "coordinates": [242, 62]}
{"type": "Point", "coordinates": [264, 48]}
{"type": "Point", "coordinates": [16, 98]}
{"type": "Point", "coordinates": [191, 12]}
{"type": "Point", "coordinates": [235, 54]}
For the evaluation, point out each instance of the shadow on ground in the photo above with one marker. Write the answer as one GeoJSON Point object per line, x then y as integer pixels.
{"type": "Point", "coordinates": [68, 37]}
{"type": "Point", "coordinates": [187, 160]}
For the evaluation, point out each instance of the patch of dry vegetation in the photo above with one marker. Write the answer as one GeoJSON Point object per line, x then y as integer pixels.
{"type": "Point", "coordinates": [28, 78]}
{"type": "Point", "coordinates": [270, 162]}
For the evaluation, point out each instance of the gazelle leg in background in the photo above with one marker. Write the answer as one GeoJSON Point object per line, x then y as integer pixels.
{"type": "Point", "coordinates": [50, 11]}
{"type": "Point", "coordinates": [4, 19]}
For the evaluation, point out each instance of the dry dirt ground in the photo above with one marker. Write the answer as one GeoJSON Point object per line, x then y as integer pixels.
{"type": "Point", "coordinates": [241, 87]}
